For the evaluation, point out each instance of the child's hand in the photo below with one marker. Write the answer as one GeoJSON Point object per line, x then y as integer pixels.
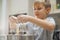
{"type": "Point", "coordinates": [12, 22]}
{"type": "Point", "coordinates": [13, 19]}
{"type": "Point", "coordinates": [23, 18]}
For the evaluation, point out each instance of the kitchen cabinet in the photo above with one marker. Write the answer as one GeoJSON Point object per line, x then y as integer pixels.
{"type": "Point", "coordinates": [55, 6]}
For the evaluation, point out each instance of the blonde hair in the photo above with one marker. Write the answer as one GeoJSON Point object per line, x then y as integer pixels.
{"type": "Point", "coordinates": [44, 4]}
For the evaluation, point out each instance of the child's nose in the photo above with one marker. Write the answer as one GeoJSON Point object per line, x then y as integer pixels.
{"type": "Point", "coordinates": [36, 11]}
{"type": "Point", "coordinates": [36, 14]}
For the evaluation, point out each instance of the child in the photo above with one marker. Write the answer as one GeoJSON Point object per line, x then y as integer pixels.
{"type": "Point", "coordinates": [41, 19]}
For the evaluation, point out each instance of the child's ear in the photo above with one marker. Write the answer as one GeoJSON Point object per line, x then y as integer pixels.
{"type": "Point", "coordinates": [48, 9]}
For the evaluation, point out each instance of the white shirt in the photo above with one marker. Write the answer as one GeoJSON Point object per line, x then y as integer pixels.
{"type": "Point", "coordinates": [39, 30]}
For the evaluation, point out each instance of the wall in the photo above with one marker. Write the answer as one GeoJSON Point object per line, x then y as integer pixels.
{"type": "Point", "coordinates": [17, 6]}
{"type": "Point", "coordinates": [0, 13]}
{"type": "Point", "coordinates": [4, 18]}
{"type": "Point", "coordinates": [30, 7]}
{"type": "Point", "coordinates": [0, 7]}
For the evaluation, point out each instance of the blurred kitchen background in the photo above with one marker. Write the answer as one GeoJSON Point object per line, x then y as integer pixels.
{"type": "Point", "coordinates": [17, 7]}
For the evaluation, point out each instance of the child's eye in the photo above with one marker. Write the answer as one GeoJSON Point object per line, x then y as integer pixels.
{"type": "Point", "coordinates": [39, 9]}
{"type": "Point", "coordinates": [34, 8]}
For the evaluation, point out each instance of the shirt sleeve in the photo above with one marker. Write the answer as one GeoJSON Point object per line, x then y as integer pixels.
{"type": "Point", "coordinates": [51, 20]}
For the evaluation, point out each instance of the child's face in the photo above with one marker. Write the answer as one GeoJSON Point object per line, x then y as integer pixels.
{"type": "Point", "coordinates": [40, 11]}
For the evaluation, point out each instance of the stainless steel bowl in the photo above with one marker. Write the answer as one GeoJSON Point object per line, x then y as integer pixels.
{"type": "Point", "coordinates": [21, 37]}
